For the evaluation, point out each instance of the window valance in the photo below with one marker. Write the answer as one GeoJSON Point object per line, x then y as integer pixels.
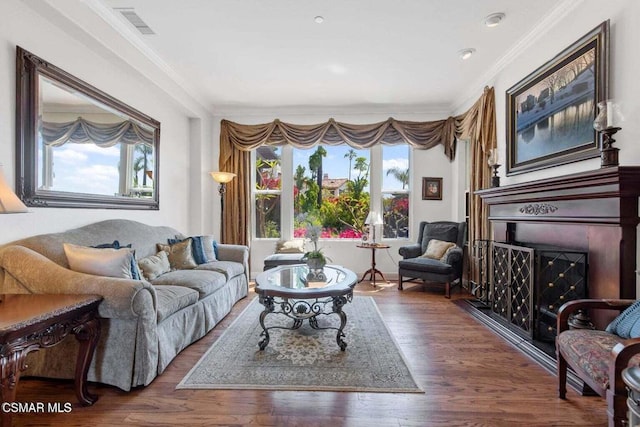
{"type": "Point", "coordinates": [81, 131]}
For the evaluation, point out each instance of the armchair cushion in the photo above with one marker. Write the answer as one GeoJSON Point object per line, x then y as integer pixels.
{"type": "Point", "coordinates": [439, 231]}
{"type": "Point", "coordinates": [436, 249]}
{"type": "Point", "coordinates": [627, 324]}
{"type": "Point", "coordinates": [426, 265]}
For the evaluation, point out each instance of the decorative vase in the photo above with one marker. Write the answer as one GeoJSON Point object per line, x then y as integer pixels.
{"type": "Point", "coordinates": [315, 263]}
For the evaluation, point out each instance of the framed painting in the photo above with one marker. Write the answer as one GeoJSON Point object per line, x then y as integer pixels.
{"type": "Point", "coordinates": [550, 113]}
{"type": "Point", "coordinates": [431, 188]}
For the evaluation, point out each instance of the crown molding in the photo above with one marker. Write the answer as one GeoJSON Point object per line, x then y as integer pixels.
{"type": "Point", "coordinates": [553, 17]}
{"type": "Point", "coordinates": [385, 110]}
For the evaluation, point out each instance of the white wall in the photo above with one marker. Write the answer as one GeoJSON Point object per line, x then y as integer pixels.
{"type": "Point", "coordinates": [22, 26]}
{"type": "Point", "coordinates": [424, 163]}
{"type": "Point", "coordinates": [624, 16]}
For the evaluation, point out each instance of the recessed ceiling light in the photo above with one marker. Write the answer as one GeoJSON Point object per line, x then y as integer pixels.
{"type": "Point", "coordinates": [466, 53]}
{"type": "Point", "coordinates": [494, 19]}
{"type": "Point", "coordinates": [319, 19]}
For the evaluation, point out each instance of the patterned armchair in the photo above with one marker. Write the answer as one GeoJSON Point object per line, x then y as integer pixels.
{"type": "Point", "coordinates": [417, 266]}
{"type": "Point", "coordinates": [597, 357]}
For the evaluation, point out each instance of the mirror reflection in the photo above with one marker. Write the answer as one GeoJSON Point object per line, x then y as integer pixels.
{"type": "Point", "coordinates": [78, 146]}
{"type": "Point", "coordinates": [83, 147]}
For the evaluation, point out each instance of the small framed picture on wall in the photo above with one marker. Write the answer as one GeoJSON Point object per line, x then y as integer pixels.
{"type": "Point", "coordinates": [431, 188]}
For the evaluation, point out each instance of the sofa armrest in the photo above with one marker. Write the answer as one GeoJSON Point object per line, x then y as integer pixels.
{"type": "Point", "coordinates": [589, 304]}
{"type": "Point", "coordinates": [35, 273]}
{"type": "Point", "coordinates": [237, 253]}
{"type": "Point", "coordinates": [410, 251]}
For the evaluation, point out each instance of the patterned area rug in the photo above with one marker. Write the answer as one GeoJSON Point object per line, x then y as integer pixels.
{"type": "Point", "coordinates": [305, 359]}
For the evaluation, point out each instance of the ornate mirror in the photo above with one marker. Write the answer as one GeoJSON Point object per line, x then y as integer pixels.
{"type": "Point", "coordinates": [78, 146]}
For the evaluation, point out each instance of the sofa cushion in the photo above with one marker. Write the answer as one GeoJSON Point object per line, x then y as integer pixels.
{"type": "Point", "coordinates": [171, 299]}
{"type": "Point", "coordinates": [419, 264]}
{"type": "Point", "coordinates": [203, 248]}
{"type": "Point", "coordinates": [445, 232]}
{"type": "Point", "coordinates": [100, 261]}
{"type": "Point", "coordinates": [229, 268]}
{"type": "Point", "coordinates": [180, 254]}
{"type": "Point", "coordinates": [136, 274]}
{"type": "Point", "coordinates": [154, 266]}
{"type": "Point", "coordinates": [203, 281]}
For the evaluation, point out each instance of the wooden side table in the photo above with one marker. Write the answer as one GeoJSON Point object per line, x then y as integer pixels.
{"type": "Point", "coordinates": [373, 271]}
{"type": "Point", "coordinates": [29, 322]}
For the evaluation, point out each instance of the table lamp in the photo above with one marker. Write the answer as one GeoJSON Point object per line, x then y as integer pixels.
{"type": "Point", "coordinates": [372, 220]}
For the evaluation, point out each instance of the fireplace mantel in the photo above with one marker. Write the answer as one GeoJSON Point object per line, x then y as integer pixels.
{"type": "Point", "coordinates": [595, 211]}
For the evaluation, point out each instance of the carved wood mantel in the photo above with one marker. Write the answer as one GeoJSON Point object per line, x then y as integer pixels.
{"type": "Point", "coordinates": [595, 211]}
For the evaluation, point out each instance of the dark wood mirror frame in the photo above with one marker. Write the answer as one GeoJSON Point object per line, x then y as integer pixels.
{"type": "Point", "coordinates": [29, 68]}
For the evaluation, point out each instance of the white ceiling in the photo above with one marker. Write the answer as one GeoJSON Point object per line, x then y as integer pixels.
{"type": "Point", "coordinates": [367, 54]}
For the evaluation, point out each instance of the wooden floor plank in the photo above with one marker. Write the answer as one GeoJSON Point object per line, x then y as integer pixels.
{"type": "Point", "coordinates": [471, 377]}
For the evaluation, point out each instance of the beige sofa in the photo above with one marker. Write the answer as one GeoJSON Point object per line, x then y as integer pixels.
{"type": "Point", "coordinates": [144, 325]}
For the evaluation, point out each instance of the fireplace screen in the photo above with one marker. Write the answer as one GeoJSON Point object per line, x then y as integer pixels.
{"type": "Point", "coordinates": [530, 283]}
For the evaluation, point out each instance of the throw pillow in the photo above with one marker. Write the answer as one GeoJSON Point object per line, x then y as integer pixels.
{"type": "Point", "coordinates": [204, 248]}
{"type": "Point", "coordinates": [135, 270]}
{"type": "Point", "coordinates": [295, 246]}
{"type": "Point", "coordinates": [444, 232]}
{"type": "Point", "coordinates": [437, 249]}
{"type": "Point", "coordinates": [180, 255]}
{"type": "Point", "coordinates": [627, 324]}
{"type": "Point", "coordinates": [100, 261]}
{"type": "Point", "coordinates": [155, 265]}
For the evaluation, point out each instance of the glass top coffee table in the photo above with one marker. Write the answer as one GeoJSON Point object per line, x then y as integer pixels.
{"type": "Point", "coordinates": [299, 293]}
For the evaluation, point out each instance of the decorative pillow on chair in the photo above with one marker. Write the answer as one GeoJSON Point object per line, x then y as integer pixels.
{"type": "Point", "coordinates": [437, 249]}
{"type": "Point", "coordinates": [295, 246]}
{"type": "Point", "coordinates": [155, 265]}
{"type": "Point", "coordinates": [627, 324]}
{"type": "Point", "coordinates": [100, 261]}
{"type": "Point", "coordinates": [180, 254]}
{"type": "Point", "coordinates": [203, 248]}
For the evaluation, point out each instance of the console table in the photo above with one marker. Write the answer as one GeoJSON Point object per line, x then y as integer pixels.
{"type": "Point", "coordinates": [29, 322]}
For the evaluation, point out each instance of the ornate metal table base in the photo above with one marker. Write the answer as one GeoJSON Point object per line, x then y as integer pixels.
{"type": "Point", "coordinates": [300, 310]}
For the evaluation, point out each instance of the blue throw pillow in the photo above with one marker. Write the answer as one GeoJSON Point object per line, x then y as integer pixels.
{"type": "Point", "coordinates": [135, 271]}
{"type": "Point", "coordinates": [201, 248]}
{"type": "Point", "coordinates": [627, 324]}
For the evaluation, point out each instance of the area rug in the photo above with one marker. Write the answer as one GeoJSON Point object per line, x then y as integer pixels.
{"type": "Point", "coordinates": [305, 358]}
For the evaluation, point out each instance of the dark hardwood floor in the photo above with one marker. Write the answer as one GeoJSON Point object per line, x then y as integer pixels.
{"type": "Point", "coordinates": [471, 377]}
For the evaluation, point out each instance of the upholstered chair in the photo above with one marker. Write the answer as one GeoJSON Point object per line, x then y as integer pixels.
{"type": "Point", "coordinates": [436, 256]}
{"type": "Point", "coordinates": [598, 357]}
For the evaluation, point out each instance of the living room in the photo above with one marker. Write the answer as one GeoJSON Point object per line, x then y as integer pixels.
{"type": "Point", "coordinates": [85, 40]}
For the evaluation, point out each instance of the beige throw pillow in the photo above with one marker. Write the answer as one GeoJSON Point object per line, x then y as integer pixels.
{"type": "Point", "coordinates": [437, 249]}
{"type": "Point", "coordinates": [100, 261]}
{"type": "Point", "coordinates": [295, 246]}
{"type": "Point", "coordinates": [179, 254]}
{"type": "Point", "coordinates": [154, 265]}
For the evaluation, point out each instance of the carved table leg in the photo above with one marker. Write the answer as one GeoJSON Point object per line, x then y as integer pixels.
{"type": "Point", "coordinates": [87, 334]}
{"type": "Point", "coordinates": [269, 306]}
{"type": "Point", "coordinates": [11, 366]}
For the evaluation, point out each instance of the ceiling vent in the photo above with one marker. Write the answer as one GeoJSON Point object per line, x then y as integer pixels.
{"type": "Point", "coordinates": [135, 20]}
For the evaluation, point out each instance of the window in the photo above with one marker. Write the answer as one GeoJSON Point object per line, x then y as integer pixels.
{"type": "Point", "coordinates": [395, 191]}
{"type": "Point", "coordinates": [331, 190]}
{"type": "Point", "coordinates": [268, 189]}
{"type": "Point", "coordinates": [332, 187]}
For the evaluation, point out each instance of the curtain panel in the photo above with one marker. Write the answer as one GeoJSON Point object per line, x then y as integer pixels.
{"type": "Point", "coordinates": [237, 140]}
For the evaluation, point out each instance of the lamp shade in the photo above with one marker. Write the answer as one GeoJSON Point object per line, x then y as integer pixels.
{"type": "Point", "coordinates": [373, 218]}
{"type": "Point", "coordinates": [222, 177]}
{"type": "Point", "coordinates": [9, 202]}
